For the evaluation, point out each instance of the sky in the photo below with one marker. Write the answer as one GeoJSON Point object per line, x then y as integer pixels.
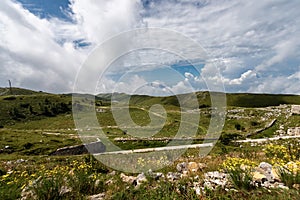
{"type": "Point", "coordinates": [254, 44]}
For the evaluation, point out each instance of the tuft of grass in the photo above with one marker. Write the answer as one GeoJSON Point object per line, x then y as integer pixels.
{"type": "Point", "coordinates": [288, 177]}
{"type": "Point", "coordinates": [241, 179]}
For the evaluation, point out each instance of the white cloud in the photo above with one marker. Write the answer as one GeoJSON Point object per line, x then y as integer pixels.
{"type": "Point", "coordinates": [99, 20]}
{"type": "Point", "coordinates": [257, 36]}
{"type": "Point", "coordinates": [40, 54]}
{"type": "Point", "coordinates": [248, 75]}
{"type": "Point", "coordinates": [254, 44]}
{"type": "Point", "coordinates": [30, 56]}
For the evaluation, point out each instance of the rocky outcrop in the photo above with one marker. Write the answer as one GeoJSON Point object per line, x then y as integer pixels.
{"type": "Point", "coordinates": [294, 131]}
{"type": "Point", "coordinates": [295, 109]}
{"type": "Point", "coordinates": [189, 167]}
{"type": "Point", "coordinates": [136, 181]}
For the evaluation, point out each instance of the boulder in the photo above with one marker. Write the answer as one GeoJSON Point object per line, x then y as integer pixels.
{"type": "Point", "coordinates": [267, 170]}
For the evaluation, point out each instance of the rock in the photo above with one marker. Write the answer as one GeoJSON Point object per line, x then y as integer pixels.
{"type": "Point", "coordinates": [198, 190]}
{"type": "Point", "coordinates": [275, 174]}
{"type": "Point", "coordinates": [64, 190]}
{"type": "Point", "coordinates": [283, 187]}
{"type": "Point", "coordinates": [258, 177]}
{"type": "Point", "coordinates": [127, 179]}
{"type": "Point", "coordinates": [193, 167]}
{"type": "Point", "coordinates": [97, 196]}
{"type": "Point", "coordinates": [173, 176]}
{"type": "Point", "coordinates": [202, 166]}
{"type": "Point", "coordinates": [109, 182]}
{"type": "Point", "coordinates": [215, 179]}
{"type": "Point", "coordinates": [267, 168]}
{"type": "Point", "coordinates": [27, 194]}
{"type": "Point", "coordinates": [244, 167]}
{"type": "Point", "coordinates": [215, 175]}
{"type": "Point", "coordinates": [208, 185]}
{"type": "Point", "coordinates": [141, 178]}
{"type": "Point", "coordinates": [155, 175]}
{"type": "Point", "coordinates": [97, 182]}
{"type": "Point", "coordinates": [113, 173]}
{"type": "Point", "coordinates": [184, 174]}
{"type": "Point", "coordinates": [181, 167]}
{"type": "Point", "coordinates": [20, 161]}
{"type": "Point", "coordinates": [296, 186]}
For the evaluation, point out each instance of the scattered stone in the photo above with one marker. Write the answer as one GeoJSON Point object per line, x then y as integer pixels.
{"type": "Point", "coordinates": [216, 179]}
{"type": "Point", "coordinates": [26, 195]}
{"type": "Point", "coordinates": [193, 167]}
{"type": "Point", "coordinates": [97, 196]}
{"type": "Point", "coordinates": [97, 182]}
{"type": "Point", "coordinates": [64, 190]}
{"type": "Point", "coordinates": [155, 175]}
{"type": "Point", "coordinates": [113, 173]}
{"type": "Point", "coordinates": [202, 166]}
{"type": "Point", "coordinates": [127, 179]}
{"type": "Point", "coordinates": [141, 178]}
{"type": "Point", "coordinates": [109, 182]}
{"type": "Point", "coordinates": [20, 161]}
{"type": "Point", "coordinates": [296, 186]}
{"type": "Point", "coordinates": [171, 176]}
{"type": "Point", "coordinates": [181, 167]}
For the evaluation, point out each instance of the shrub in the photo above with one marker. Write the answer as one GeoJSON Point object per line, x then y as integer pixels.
{"type": "Point", "coordinates": [228, 137]}
{"type": "Point", "coordinates": [10, 98]}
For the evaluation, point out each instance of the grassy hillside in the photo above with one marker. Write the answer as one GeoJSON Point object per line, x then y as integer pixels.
{"type": "Point", "coordinates": [261, 100]}
{"type": "Point", "coordinates": [237, 100]}
{"type": "Point", "coordinates": [35, 124]}
{"type": "Point", "coordinates": [21, 108]}
{"type": "Point", "coordinates": [26, 105]}
{"type": "Point", "coordinates": [19, 91]}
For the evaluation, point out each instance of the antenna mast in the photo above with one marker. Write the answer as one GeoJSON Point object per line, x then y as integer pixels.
{"type": "Point", "coordinates": [10, 88]}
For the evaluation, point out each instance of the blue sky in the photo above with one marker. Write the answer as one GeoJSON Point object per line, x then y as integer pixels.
{"type": "Point", "coordinates": [48, 8]}
{"type": "Point", "coordinates": [254, 44]}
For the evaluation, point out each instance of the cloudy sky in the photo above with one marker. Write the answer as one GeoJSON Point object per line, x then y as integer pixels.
{"type": "Point", "coordinates": [254, 44]}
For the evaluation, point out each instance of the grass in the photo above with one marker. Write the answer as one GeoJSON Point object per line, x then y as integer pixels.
{"type": "Point", "coordinates": [241, 179]}
{"type": "Point", "coordinates": [28, 142]}
{"type": "Point", "coordinates": [34, 124]}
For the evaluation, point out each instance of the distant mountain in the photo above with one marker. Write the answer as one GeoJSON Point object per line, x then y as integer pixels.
{"type": "Point", "coordinates": [233, 99]}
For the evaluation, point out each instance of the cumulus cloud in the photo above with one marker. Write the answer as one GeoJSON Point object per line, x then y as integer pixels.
{"type": "Point", "coordinates": [254, 44]}
{"type": "Point", "coordinates": [30, 56]}
{"type": "Point", "coordinates": [40, 53]}
{"type": "Point", "coordinates": [256, 36]}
